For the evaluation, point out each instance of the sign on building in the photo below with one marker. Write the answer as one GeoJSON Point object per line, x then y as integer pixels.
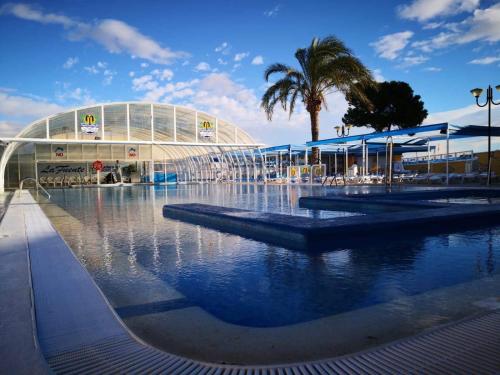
{"type": "Point", "coordinates": [89, 123]}
{"type": "Point", "coordinates": [59, 151]}
{"type": "Point", "coordinates": [207, 129]}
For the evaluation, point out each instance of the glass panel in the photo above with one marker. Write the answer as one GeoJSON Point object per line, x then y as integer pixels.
{"type": "Point", "coordinates": [26, 155]}
{"type": "Point", "coordinates": [163, 123]}
{"type": "Point", "coordinates": [38, 130]}
{"type": "Point", "coordinates": [62, 126]}
{"type": "Point", "coordinates": [90, 152]}
{"type": "Point", "coordinates": [140, 122]}
{"type": "Point", "coordinates": [206, 128]}
{"type": "Point", "coordinates": [185, 125]}
{"type": "Point", "coordinates": [115, 122]}
{"type": "Point", "coordinates": [12, 171]}
{"type": "Point", "coordinates": [104, 152]}
{"type": "Point", "coordinates": [243, 137]}
{"type": "Point", "coordinates": [89, 123]}
{"type": "Point", "coordinates": [43, 152]}
{"type": "Point", "coordinates": [75, 152]}
{"type": "Point", "coordinates": [145, 152]}
{"type": "Point", "coordinates": [226, 132]}
{"type": "Point", "coordinates": [118, 152]}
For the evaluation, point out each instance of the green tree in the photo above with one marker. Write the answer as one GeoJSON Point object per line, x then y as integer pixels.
{"type": "Point", "coordinates": [389, 104]}
{"type": "Point", "coordinates": [327, 65]}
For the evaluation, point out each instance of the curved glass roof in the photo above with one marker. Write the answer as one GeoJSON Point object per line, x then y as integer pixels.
{"type": "Point", "coordinates": [137, 122]}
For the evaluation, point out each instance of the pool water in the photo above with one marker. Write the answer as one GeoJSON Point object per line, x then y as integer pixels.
{"type": "Point", "coordinates": [468, 200]}
{"type": "Point", "coordinates": [124, 241]}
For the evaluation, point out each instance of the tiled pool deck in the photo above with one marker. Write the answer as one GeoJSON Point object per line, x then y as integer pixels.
{"type": "Point", "coordinates": [78, 331]}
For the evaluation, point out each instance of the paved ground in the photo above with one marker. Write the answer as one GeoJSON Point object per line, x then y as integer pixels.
{"type": "Point", "coordinates": [19, 350]}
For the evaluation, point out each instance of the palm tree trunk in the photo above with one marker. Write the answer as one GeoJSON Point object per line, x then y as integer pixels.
{"type": "Point", "coordinates": [315, 135]}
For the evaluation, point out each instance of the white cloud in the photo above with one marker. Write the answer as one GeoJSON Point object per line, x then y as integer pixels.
{"type": "Point", "coordinates": [221, 61]}
{"type": "Point", "coordinates": [102, 65]}
{"type": "Point", "coordinates": [482, 26]}
{"type": "Point", "coordinates": [114, 35]}
{"type": "Point", "coordinates": [30, 13]}
{"type": "Point", "coordinates": [377, 75]}
{"type": "Point", "coordinates": [240, 56]}
{"type": "Point", "coordinates": [413, 60]}
{"type": "Point", "coordinates": [258, 60]}
{"type": "Point", "coordinates": [91, 69]}
{"type": "Point", "coordinates": [78, 95]}
{"type": "Point", "coordinates": [156, 92]}
{"type": "Point", "coordinates": [184, 63]}
{"type": "Point", "coordinates": [423, 10]}
{"type": "Point", "coordinates": [224, 48]}
{"type": "Point", "coordinates": [485, 60]}
{"type": "Point", "coordinates": [389, 46]}
{"type": "Point", "coordinates": [433, 69]}
{"type": "Point", "coordinates": [144, 83]}
{"type": "Point", "coordinates": [202, 67]}
{"type": "Point", "coordinates": [273, 11]}
{"type": "Point", "coordinates": [221, 96]}
{"type": "Point", "coordinates": [10, 128]}
{"type": "Point", "coordinates": [162, 75]}
{"type": "Point", "coordinates": [468, 115]}
{"type": "Point", "coordinates": [131, 74]}
{"type": "Point", "coordinates": [25, 107]}
{"type": "Point", "coordinates": [433, 25]}
{"type": "Point", "coordinates": [108, 77]}
{"type": "Point", "coordinates": [144, 65]}
{"type": "Point", "coordinates": [70, 62]}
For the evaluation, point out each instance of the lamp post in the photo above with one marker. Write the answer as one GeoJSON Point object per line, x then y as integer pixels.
{"type": "Point", "coordinates": [341, 130]}
{"type": "Point", "coordinates": [489, 101]}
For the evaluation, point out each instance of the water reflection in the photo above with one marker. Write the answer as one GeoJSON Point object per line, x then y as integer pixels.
{"type": "Point", "coordinates": [250, 283]}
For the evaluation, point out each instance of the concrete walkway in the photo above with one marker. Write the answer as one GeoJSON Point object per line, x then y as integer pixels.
{"type": "Point", "coordinates": [80, 333]}
{"type": "Point", "coordinates": [19, 349]}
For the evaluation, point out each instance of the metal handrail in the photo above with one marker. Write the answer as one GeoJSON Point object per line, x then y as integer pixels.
{"type": "Point", "coordinates": [37, 185]}
{"type": "Point", "coordinates": [389, 144]}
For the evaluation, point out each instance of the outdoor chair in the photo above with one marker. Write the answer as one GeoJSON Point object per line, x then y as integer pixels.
{"type": "Point", "coordinates": [59, 180]}
{"type": "Point", "coordinates": [42, 181]}
{"type": "Point", "coordinates": [471, 177]}
{"type": "Point", "coordinates": [377, 179]}
{"type": "Point", "coordinates": [438, 178]}
{"type": "Point", "coordinates": [456, 178]}
{"type": "Point", "coordinates": [422, 178]}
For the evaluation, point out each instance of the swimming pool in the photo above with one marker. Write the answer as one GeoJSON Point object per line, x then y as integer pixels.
{"type": "Point", "coordinates": [159, 273]}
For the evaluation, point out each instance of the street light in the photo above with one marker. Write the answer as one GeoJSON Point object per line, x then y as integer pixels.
{"type": "Point", "coordinates": [476, 93]}
{"type": "Point", "coordinates": [341, 130]}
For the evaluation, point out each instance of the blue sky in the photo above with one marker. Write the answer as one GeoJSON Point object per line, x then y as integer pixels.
{"type": "Point", "coordinates": [211, 55]}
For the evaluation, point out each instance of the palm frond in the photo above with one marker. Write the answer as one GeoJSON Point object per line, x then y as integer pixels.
{"type": "Point", "coordinates": [276, 68]}
{"type": "Point", "coordinates": [279, 93]}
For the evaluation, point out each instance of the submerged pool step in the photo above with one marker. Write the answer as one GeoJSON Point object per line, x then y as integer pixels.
{"type": "Point", "coordinates": [306, 233]}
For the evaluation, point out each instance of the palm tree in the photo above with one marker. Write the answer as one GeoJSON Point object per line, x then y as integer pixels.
{"type": "Point", "coordinates": [325, 66]}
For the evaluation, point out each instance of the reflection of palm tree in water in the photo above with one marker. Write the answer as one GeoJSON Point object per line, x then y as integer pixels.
{"type": "Point", "coordinates": [490, 259]}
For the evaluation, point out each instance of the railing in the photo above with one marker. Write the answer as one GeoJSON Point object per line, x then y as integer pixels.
{"type": "Point", "coordinates": [440, 158]}
{"type": "Point", "coordinates": [37, 185]}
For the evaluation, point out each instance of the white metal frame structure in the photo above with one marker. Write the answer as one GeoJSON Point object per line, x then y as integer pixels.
{"type": "Point", "coordinates": [162, 137]}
